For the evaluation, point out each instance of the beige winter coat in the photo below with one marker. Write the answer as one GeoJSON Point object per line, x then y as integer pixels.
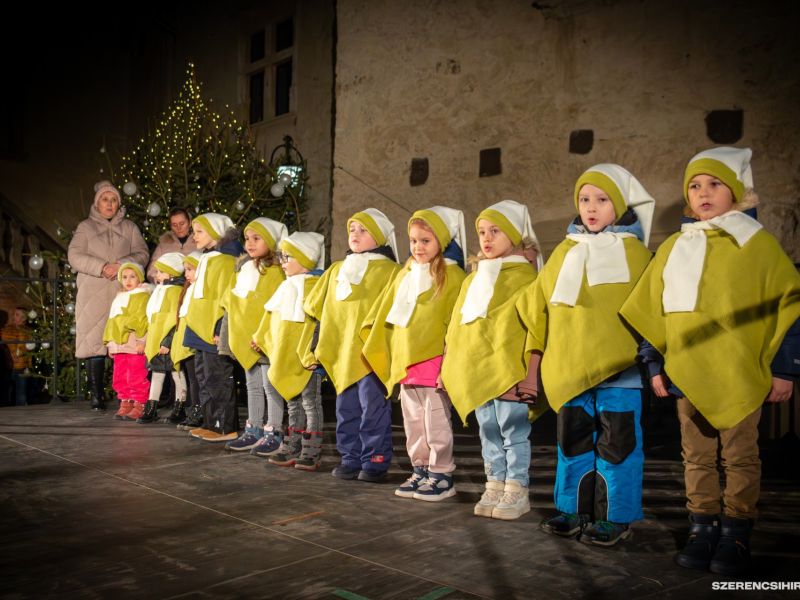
{"type": "Point", "coordinates": [98, 241]}
{"type": "Point", "coordinates": [168, 242]}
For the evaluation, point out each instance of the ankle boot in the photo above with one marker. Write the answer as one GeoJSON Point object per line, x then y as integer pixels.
{"type": "Point", "coordinates": [125, 406]}
{"type": "Point", "coordinates": [311, 450]}
{"type": "Point", "coordinates": [150, 414]}
{"type": "Point", "coordinates": [136, 412]}
{"type": "Point", "coordinates": [194, 418]}
{"type": "Point", "coordinates": [702, 542]}
{"type": "Point", "coordinates": [178, 413]}
{"type": "Point", "coordinates": [95, 376]}
{"type": "Point", "coordinates": [732, 556]}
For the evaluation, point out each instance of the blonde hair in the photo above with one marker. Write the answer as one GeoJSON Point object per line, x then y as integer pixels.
{"type": "Point", "coordinates": [749, 200]}
{"type": "Point", "coordinates": [438, 266]}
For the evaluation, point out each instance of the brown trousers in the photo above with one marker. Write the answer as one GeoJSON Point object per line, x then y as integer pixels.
{"type": "Point", "coordinates": [704, 447]}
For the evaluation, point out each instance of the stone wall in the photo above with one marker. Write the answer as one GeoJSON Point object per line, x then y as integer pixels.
{"type": "Point", "coordinates": [443, 80]}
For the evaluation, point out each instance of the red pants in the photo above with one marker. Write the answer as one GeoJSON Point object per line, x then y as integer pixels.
{"type": "Point", "coordinates": [130, 377]}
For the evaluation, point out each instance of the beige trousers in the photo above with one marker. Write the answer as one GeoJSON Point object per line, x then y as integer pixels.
{"type": "Point", "coordinates": [429, 432]}
{"type": "Point", "coordinates": [736, 449]}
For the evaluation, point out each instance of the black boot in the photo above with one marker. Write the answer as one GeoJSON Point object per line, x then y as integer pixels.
{"type": "Point", "coordinates": [95, 375]}
{"type": "Point", "coordinates": [702, 542]}
{"type": "Point", "coordinates": [178, 413]}
{"type": "Point", "coordinates": [733, 550]}
{"type": "Point", "coordinates": [194, 419]}
{"type": "Point", "coordinates": [150, 412]}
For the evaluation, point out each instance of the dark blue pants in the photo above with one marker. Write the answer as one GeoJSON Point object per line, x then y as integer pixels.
{"type": "Point", "coordinates": [364, 426]}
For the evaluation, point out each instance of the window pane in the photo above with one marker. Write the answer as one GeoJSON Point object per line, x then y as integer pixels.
{"type": "Point", "coordinates": [284, 35]}
{"type": "Point", "coordinates": [283, 86]}
{"type": "Point", "coordinates": [257, 96]}
{"type": "Point", "coordinates": [257, 46]}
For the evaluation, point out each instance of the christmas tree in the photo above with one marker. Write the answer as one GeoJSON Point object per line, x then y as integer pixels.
{"type": "Point", "coordinates": [206, 162]}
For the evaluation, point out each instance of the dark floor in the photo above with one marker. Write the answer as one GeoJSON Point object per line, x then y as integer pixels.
{"type": "Point", "coordinates": [98, 508]}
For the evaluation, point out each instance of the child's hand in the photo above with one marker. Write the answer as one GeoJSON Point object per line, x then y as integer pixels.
{"type": "Point", "coordinates": [139, 348]}
{"type": "Point", "coordinates": [781, 390]}
{"type": "Point", "coordinates": [163, 350]}
{"type": "Point", "coordinates": [216, 340]}
{"type": "Point", "coordinates": [255, 346]}
{"type": "Point", "coordinates": [659, 385]}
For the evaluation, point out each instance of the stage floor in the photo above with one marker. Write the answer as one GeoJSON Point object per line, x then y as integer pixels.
{"type": "Point", "coordinates": [98, 508]}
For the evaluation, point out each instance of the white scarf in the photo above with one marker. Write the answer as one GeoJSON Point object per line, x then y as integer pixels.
{"type": "Point", "coordinates": [246, 279]}
{"type": "Point", "coordinates": [601, 255]}
{"type": "Point", "coordinates": [122, 299]}
{"type": "Point", "coordinates": [187, 297]}
{"type": "Point", "coordinates": [156, 300]}
{"type": "Point", "coordinates": [416, 282]}
{"type": "Point", "coordinates": [481, 289]}
{"type": "Point", "coordinates": [200, 279]}
{"type": "Point", "coordinates": [684, 267]}
{"type": "Point", "coordinates": [288, 299]}
{"type": "Point", "coordinates": [352, 272]}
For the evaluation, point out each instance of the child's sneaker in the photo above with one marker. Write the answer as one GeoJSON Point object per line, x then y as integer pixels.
{"type": "Point", "coordinates": [344, 472]}
{"type": "Point", "coordinates": [564, 524]}
{"type": "Point", "coordinates": [248, 440]}
{"type": "Point", "coordinates": [412, 483]}
{"type": "Point", "coordinates": [289, 451]}
{"type": "Point", "coordinates": [490, 498]}
{"type": "Point", "coordinates": [312, 449]}
{"type": "Point", "coordinates": [372, 476]}
{"type": "Point", "coordinates": [605, 533]}
{"type": "Point", "coordinates": [268, 444]}
{"type": "Point", "coordinates": [514, 503]}
{"type": "Point", "coordinates": [437, 486]}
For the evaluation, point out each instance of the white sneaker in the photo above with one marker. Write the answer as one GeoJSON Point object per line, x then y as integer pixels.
{"type": "Point", "coordinates": [514, 502]}
{"type": "Point", "coordinates": [490, 498]}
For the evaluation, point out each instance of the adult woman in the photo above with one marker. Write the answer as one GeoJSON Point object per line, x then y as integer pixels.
{"type": "Point", "coordinates": [99, 246]}
{"type": "Point", "coordinates": [178, 239]}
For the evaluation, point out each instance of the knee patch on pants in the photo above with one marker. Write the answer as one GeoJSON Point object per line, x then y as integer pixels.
{"type": "Point", "coordinates": [575, 431]}
{"type": "Point", "coordinates": [618, 436]}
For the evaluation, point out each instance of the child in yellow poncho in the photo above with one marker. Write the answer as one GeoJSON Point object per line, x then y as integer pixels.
{"type": "Point", "coordinates": [716, 302]}
{"type": "Point", "coordinates": [183, 357]}
{"type": "Point", "coordinates": [406, 342]}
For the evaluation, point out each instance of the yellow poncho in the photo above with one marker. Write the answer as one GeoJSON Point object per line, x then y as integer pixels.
{"type": "Point", "coordinates": [244, 314]}
{"type": "Point", "coordinates": [585, 344]}
{"type": "Point", "coordinates": [339, 347]}
{"type": "Point", "coordinates": [487, 356]}
{"type": "Point", "coordinates": [720, 354]}
{"type": "Point", "coordinates": [288, 346]}
{"type": "Point", "coordinates": [206, 311]}
{"type": "Point", "coordinates": [162, 322]}
{"type": "Point", "coordinates": [390, 349]}
{"type": "Point", "coordinates": [132, 320]}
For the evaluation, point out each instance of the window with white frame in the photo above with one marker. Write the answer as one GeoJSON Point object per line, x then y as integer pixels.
{"type": "Point", "coordinates": [270, 71]}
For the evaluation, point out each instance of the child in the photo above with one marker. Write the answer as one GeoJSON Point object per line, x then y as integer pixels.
{"type": "Point", "coordinates": [124, 335]}
{"type": "Point", "coordinates": [162, 315]}
{"type": "Point", "coordinates": [405, 345]}
{"type": "Point", "coordinates": [589, 368]}
{"type": "Point", "coordinates": [216, 236]}
{"type": "Point", "coordinates": [255, 283]}
{"type": "Point", "coordinates": [183, 357]}
{"type": "Point", "coordinates": [286, 334]}
{"type": "Point", "coordinates": [340, 301]}
{"type": "Point", "coordinates": [485, 328]}
{"type": "Point", "coordinates": [716, 302]}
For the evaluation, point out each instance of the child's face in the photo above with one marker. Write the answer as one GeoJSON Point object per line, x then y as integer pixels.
{"type": "Point", "coordinates": [202, 238]}
{"type": "Point", "coordinates": [130, 280]}
{"type": "Point", "coordinates": [108, 204]}
{"type": "Point", "coordinates": [494, 243]}
{"type": "Point", "coordinates": [189, 271]}
{"type": "Point", "coordinates": [709, 197]}
{"type": "Point", "coordinates": [291, 267]}
{"type": "Point", "coordinates": [255, 245]}
{"type": "Point", "coordinates": [595, 208]}
{"type": "Point", "coordinates": [161, 277]}
{"type": "Point", "coordinates": [19, 317]}
{"type": "Point", "coordinates": [359, 239]}
{"type": "Point", "coordinates": [424, 245]}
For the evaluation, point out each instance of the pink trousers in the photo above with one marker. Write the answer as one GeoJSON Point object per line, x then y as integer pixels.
{"type": "Point", "coordinates": [130, 377]}
{"type": "Point", "coordinates": [429, 433]}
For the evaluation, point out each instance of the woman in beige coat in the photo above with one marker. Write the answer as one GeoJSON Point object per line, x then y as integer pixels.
{"type": "Point", "coordinates": [177, 239]}
{"type": "Point", "coordinates": [100, 244]}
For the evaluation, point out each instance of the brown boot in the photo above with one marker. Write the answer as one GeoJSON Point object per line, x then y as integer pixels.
{"type": "Point", "coordinates": [136, 412]}
{"type": "Point", "coordinates": [125, 406]}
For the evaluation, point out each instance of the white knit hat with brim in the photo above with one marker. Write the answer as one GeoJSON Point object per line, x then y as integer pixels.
{"type": "Point", "coordinates": [307, 247]}
{"type": "Point", "coordinates": [171, 263]}
{"type": "Point", "coordinates": [379, 226]}
{"type": "Point", "coordinates": [272, 231]}
{"type": "Point", "coordinates": [135, 267]}
{"type": "Point", "coordinates": [447, 224]}
{"type": "Point", "coordinates": [215, 224]}
{"type": "Point", "coordinates": [729, 165]}
{"type": "Point", "coordinates": [514, 220]}
{"type": "Point", "coordinates": [624, 191]}
{"type": "Point", "coordinates": [193, 258]}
